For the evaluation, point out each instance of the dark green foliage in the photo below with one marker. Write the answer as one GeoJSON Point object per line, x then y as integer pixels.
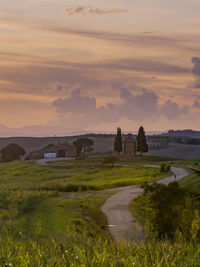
{"type": "Point", "coordinates": [110, 160]}
{"type": "Point", "coordinates": [12, 152]}
{"type": "Point", "coordinates": [142, 146]}
{"type": "Point", "coordinates": [168, 210]}
{"type": "Point", "coordinates": [151, 187]}
{"type": "Point", "coordinates": [82, 143]}
{"type": "Point", "coordinates": [165, 168]}
{"type": "Point", "coordinates": [89, 149]}
{"type": "Point", "coordinates": [118, 141]}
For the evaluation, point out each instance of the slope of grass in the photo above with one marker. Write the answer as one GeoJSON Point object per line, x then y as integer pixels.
{"type": "Point", "coordinates": [50, 215]}
{"type": "Point", "coordinates": [75, 176]}
{"type": "Point", "coordinates": [40, 202]}
{"type": "Point", "coordinates": [191, 182]}
{"type": "Point", "coordinates": [63, 217]}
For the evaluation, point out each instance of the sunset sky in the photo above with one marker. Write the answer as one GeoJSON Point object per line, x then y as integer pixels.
{"type": "Point", "coordinates": [89, 66]}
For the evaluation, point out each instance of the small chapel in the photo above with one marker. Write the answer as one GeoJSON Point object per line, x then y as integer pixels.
{"type": "Point", "coordinates": [130, 146]}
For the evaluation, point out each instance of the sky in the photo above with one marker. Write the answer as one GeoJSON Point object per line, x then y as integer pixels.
{"type": "Point", "coordinates": [70, 67]}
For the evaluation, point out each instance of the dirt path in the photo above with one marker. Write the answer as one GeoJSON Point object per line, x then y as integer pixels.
{"type": "Point", "coordinates": [122, 224]}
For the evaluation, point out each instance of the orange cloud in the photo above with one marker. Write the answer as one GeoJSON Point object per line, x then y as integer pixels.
{"type": "Point", "coordinates": [93, 11]}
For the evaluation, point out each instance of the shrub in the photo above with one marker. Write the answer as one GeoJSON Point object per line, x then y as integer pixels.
{"type": "Point", "coordinates": [168, 210]}
{"type": "Point", "coordinates": [165, 168]}
{"type": "Point", "coordinates": [110, 160]}
{"type": "Point", "coordinates": [12, 152]}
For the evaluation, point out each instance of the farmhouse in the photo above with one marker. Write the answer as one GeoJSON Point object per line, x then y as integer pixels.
{"type": "Point", "coordinates": [60, 150]}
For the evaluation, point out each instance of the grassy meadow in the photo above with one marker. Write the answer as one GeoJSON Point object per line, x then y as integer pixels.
{"type": "Point", "coordinates": [51, 216]}
{"type": "Point", "coordinates": [64, 198]}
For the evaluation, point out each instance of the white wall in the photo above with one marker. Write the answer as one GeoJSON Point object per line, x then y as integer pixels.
{"type": "Point", "coordinates": [49, 155]}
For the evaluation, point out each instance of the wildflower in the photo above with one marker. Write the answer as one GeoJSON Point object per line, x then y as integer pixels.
{"type": "Point", "coordinates": [8, 264]}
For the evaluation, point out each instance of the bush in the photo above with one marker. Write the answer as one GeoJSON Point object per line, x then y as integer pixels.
{"type": "Point", "coordinates": [165, 168]}
{"type": "Point", "coordinates": [151, 187]}
{"type": "Point", "coordinates": [169, 209]}
{"type": "Point", "coordinates": [12, 152]}
{"type": "Point", "coordinates": [110, 160]}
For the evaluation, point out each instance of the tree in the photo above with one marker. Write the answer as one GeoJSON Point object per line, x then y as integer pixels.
{"type": "Point", "coordinates": [89, 150]}
{"type": "Point", "coordinates": [12, 152]}
{"type": "Point", "coordinates": [82, 143]}
{"type": "Point", "coordinates": [110, 160]}
{"type": "Point", "coordinates": [142, 146]}
{"type": "Point", "coordinates": [118, 141]}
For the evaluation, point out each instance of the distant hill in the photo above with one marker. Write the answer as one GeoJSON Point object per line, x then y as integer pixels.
{"type": "Point", "coordinates": [179, 147]}
{"type": "Point", "coordinates": [183, 133]}
{"type": "Point", "coordinates": [103, 142]}
{"type": "Point", "coordinates": [178, 151]}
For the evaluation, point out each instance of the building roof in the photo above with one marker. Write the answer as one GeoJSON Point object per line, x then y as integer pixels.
{"type": "Point", "coordinates": [53, 147]}
{"type": "Point", "coordinates": [130, 139]}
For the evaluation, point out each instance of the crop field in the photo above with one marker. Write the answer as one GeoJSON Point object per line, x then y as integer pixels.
{"type": "Point", "coordinates": [50, 215]}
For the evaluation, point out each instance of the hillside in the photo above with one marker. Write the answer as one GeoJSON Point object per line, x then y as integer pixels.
{"type": "Point", "coordinates": [178, 151]}
{"type": "Point", "coordinates": [34, 143]}
{"type": "Point", "coordinates": [103, 144]}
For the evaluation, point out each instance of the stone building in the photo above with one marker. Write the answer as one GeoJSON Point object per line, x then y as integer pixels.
{"type": "Point", "coordinates": [60, 150]}
{"type": "Point", "coordinates": [130, 146]}
{"type": "Point", "coordinates": [157, 142]}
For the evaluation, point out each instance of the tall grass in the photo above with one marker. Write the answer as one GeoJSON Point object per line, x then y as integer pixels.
{"type": "Point", "coordinates": [43, 225]}
{"type": "Point", "coordinates": [96, 253]}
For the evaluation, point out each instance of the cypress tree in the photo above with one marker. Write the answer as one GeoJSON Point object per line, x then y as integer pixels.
{"type": "Point", "coordinates": [142, 146]}
{"type": "Point", "coordinates": [118, 141]}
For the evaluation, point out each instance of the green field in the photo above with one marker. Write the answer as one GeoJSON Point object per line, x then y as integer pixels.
{"type": "Point", "coordinates": [50, 215]}
{"type": "Point", "coordinates": [44, 202]}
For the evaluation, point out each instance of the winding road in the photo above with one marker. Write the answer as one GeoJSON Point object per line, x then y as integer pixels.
{"type": "Point", "coordinates": [122, 224]}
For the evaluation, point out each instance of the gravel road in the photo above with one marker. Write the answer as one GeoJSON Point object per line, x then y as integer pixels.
{"type": "Point", "coordinates": [122, 224]}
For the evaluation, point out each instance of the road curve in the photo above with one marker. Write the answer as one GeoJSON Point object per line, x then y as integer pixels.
{"type": "Point", "coordinates": [122, 224]}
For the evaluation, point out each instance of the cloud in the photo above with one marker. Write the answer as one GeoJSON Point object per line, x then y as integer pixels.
{"type": "Point", "coordinates": [57, 86]}
{"type": "Point", "coordinates": [93, 11]}
{"type": "Point", "coordinates": [172, 110]}
{"type": "Point", "coordinates": [139, 107]}
{"type": "Point", "coordinates": [98, 11]}
{"type": "Point", "coordinates": [102, 78]}
{"type": "Point", "coordinates": [196, 71]}
{"type": "Point", "coordinates": [76, 103]}
{"type": "Point", "coordinates": [196, 104]}
{"type": "Point", "coordinates": [61, 87]}
{"type": "Point", "coordinates": [144, 65]}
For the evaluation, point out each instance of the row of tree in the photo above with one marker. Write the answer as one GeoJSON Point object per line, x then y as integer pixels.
{"type": "Point", "coordinates": [142, 145]}
{"type": "Point", "coordinates": [84, 144]}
